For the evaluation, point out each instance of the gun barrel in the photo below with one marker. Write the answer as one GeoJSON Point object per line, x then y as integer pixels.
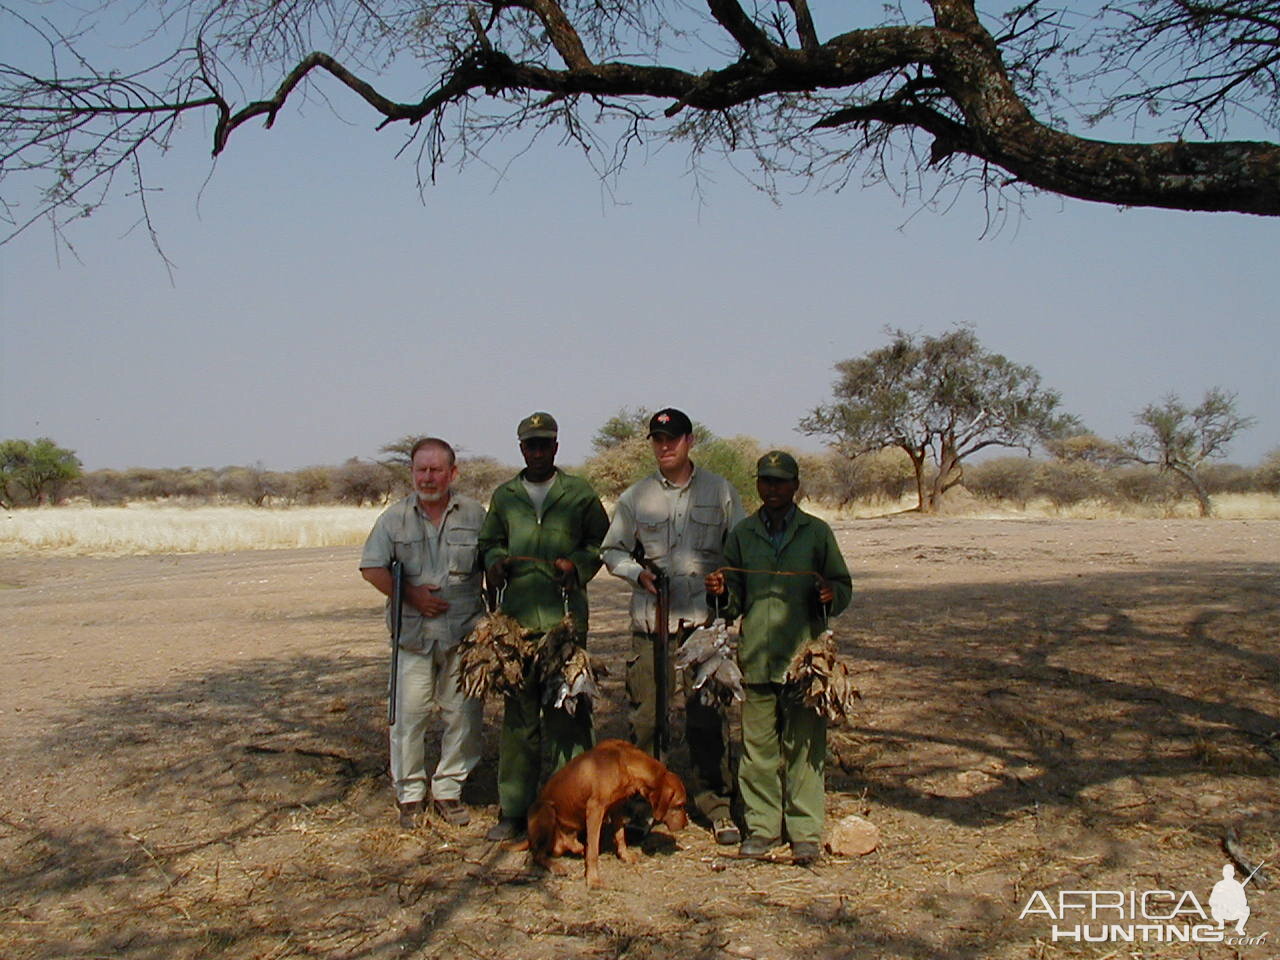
{"type": "Point", "coordinates": [662, 692]}
{"type": "Point", "coordinates": [397, 622]}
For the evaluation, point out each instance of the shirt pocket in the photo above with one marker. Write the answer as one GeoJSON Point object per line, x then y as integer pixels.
{"type": "Point", "coordinates": [409, 553]}
{"type": "Point", "coordinates": [461, 542]}
{"type": "Point", "coordinates": [653, 532]}
{"type": "Point", "coordinates": [706, 528]}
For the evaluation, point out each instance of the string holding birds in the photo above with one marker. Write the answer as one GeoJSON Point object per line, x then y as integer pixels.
{"type": "Point", "coordinates": [565, 671]}
{"type": "Point", "coordinates": [708, 654]}
{"type": "Point", "coordinates": [495, 656]}
{"type": "Point", "coordinates": [822, 678]}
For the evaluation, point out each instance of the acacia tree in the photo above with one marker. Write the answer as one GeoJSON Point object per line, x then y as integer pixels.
{"type": "Point", "coordinates": [1181, 440]}
{"type": "Point", "coordinates": [939, 399]}
{"type": "Point", "coordinates": [971, 96]}
{"type": "Point", "coordinates": [35, 471]}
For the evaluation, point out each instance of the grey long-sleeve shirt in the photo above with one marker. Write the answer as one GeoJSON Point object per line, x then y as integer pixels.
{"type": "Point", "coordinates": [682, 530]}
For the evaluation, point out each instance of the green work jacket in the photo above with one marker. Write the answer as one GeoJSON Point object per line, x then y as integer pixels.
{"type": "Point", "coordinates": [572, 525]}
{"type": "Point", "coordinates": [779, 613]}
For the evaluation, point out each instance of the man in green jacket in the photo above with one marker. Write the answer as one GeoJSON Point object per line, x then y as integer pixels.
{"type": "Point", "coordinates": [541, 545]}
{"type": "Point", "coordinates": [790, 578]}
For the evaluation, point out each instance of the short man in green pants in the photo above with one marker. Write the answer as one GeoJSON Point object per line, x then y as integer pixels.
{"type": "Point", "coordinates": [541, 545]}
{"type": "Point", "coordinates": [794, 578]}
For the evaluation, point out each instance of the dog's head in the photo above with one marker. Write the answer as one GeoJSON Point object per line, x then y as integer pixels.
{"type": "Point", "coordinates": [542, 827]}
{"type": "Point", "coordinates": [668, 800]}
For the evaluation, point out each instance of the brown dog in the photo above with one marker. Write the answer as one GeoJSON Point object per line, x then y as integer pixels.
{"type": "Point", "coordinates": [589, 792]}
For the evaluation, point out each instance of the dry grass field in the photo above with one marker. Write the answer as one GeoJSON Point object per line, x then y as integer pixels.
{"type": "Point", "coordinates": [194, 758]}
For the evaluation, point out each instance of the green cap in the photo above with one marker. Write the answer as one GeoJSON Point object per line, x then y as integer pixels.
{"type": "Point", "coordinates": [537, 425]}
{"type": "Point", "coordinates": [779, 465]}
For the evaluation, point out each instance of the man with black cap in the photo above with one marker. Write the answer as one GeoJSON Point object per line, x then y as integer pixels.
{"type": "Point", "coordinates": [541, 545]}
{"type": "Point", "coordinates": [679, 516]}
{"type": "Point", "coordinates": [786, 577]}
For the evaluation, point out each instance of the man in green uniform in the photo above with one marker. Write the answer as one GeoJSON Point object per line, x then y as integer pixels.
{"type": "Point", "coordinates": [790, 578]}
{"type": "Point", "coordinates": [541, 545]}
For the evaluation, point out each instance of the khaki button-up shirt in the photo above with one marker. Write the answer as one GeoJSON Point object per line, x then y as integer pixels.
{"type": "Point", "coordinates": [444, 557]}
{"type": "Point", "coordinates": [682, 530]}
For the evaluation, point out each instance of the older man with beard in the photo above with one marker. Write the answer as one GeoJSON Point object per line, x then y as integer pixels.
{"type": "Point", "coordinates": [433, 532]}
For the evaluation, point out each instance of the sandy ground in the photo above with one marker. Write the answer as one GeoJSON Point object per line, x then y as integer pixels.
{"type": "Point", "coordinates": [194, 761]}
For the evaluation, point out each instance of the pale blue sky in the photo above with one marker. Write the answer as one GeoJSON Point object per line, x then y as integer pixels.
{"type": "Point", "coordinates": [319, 309]}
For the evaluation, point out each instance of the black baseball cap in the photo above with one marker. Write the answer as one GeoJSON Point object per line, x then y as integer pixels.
{"type": "Point", "coordinates": [670, 421]}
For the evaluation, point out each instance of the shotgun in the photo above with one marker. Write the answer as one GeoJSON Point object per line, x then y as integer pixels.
{"type": "Point", "coordinates": [662, 613]}
{"type": "Point", "coordinates": [397, 621]}
{"type": "Point", "coordinates": [662, 631]}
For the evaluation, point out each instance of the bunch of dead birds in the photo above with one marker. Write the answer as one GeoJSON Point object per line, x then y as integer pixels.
{"type": "Point", "coordinates": [499, 656]}
{"type": "Point", "coordinates": [821, 678]}
{"type": "Point", "coordinates": [707, 654]}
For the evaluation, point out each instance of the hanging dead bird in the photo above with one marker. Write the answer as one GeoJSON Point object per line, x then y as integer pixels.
{"type": "Point", "coordinates": [708, 654]}
{"type": "Point", "coordinates": [564, 669]}
{"type": "Point", "coordinates": [822, 679]}
{"type": "Point", "coordinates": [494, 656]}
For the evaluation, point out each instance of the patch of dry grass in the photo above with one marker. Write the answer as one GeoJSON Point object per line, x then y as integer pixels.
{"type": "Point", "coordinates": [137, 529]}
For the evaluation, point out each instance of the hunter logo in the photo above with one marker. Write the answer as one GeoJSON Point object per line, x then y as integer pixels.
{"type": "Point", "coordinates": [1148, 916]}
{"type": "Point", "coordinates": [774, 460]}
{"type": "Point", "coordinates": [535, 420]}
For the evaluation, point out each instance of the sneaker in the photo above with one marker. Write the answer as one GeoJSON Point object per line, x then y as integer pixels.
{"type": "Point", "coordinates": [725, 832]}
{"type": "Point", "coordinates": [410, 811]}
{"type": "Point", "coordinates": [507, 828]}
{"type": "Point", "coordinates": [757, 848]}
{"type": "Point", "coordinates": [804, 852]}
{"type": "Point", "coordinates": [453, 812]}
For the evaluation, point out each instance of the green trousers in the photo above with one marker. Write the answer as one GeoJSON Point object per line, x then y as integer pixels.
{"type": "Point", "coordinates": [784, 748]}
{"type": "Point", "coordinates": [530, 729]}
{"type": "Point", "coordinates": [706, 728]}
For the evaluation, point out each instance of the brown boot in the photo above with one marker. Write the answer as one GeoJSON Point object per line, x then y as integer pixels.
{"type": "Point", "coordinates": [410, 811]}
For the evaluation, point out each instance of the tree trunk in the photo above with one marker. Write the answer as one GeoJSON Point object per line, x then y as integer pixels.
{"type": "Point", "coordinates": [1202, 495]}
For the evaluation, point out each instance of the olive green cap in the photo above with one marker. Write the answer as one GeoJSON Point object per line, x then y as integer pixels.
{"type": "Point", "coordinates": [778, 464]}
{"type": "Point", "coordinates": [538, 425]}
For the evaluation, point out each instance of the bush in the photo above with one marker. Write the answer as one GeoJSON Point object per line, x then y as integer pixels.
{"type": "Point", "coordinates": [1066, 484]}
{"type": "Point", "coordinates": [1146, 486]}
{"type": "Point", "coordinates": [1010, 479]}
{"type": "Point", "coordinates": [1268, 473]}
{"type": "Point", "coordinates": [479, 476]}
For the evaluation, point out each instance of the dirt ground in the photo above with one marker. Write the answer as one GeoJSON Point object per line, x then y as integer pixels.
{"type": "Point", "coordinates": [194, 760]}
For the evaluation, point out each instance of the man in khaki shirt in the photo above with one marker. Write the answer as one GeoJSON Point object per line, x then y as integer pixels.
{"type": "Point", "coordinates": [433, 532]}
{"type": "Point", "coordinates": [680, 516]}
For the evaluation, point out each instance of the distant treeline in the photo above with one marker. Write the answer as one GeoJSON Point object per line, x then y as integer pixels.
{"type": "Point", "coordinates": [829, 478]}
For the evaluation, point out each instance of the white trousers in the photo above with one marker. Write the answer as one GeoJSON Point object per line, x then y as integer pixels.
{"type": "Point", "coordinates": [424, 679]}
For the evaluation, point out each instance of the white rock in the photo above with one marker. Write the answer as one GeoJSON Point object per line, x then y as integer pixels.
{"type": "Point", "coordinates": [852, 836]}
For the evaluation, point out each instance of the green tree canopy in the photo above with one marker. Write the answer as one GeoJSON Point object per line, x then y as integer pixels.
{"type": "Point", "coordinates": [35, 471]}
{"type": "Point", "coordinates": [940, 398]}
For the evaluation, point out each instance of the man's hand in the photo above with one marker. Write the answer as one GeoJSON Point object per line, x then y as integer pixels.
{"type": "Point", "coordinates": [648, 581]}
{"type": "Point", "coordinates": [496, 574]}
{"type": "Point", "coordinates": [422, 597]}
{"type": "Point", "coordinates": [826, 593]}
{"type": "Point", "coordinates": [715, 583]}
{"type": "Point", "coordinates": [566, 573]}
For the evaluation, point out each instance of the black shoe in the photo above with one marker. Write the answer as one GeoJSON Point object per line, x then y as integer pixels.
{"type": "Point", "coordinates": [507, 828]}
{"type": "Point", "coordinates": [410, 811]}
{"type": "Point", "coordinates": [725, 832]}
{"type": "Point", "coordinates": [804, 852]}
{"type": "Point", "coordinates": [757, 847]}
